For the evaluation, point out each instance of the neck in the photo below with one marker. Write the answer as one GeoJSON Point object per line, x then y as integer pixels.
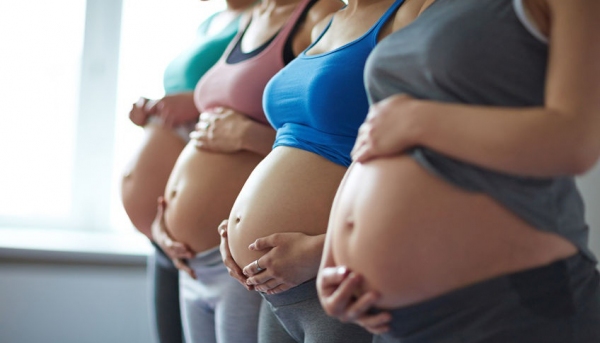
{"type": "Point", "coordinates": [274, 4]}
{"type": "Point", "coordinates": [239, 5]}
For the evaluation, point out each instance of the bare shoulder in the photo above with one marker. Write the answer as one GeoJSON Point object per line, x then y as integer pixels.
{"type": "Point", "coordinates": [408, 12]}
{"type": "Point", "coordinates": [583, 8]}
{"type": "Point", "coordinates": [572, 15]}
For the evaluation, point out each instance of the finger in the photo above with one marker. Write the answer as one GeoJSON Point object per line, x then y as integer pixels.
{"type": "Point", "coordinates": [141, 102]}
{"type": "Point", "coordinates": [361, 139]}
{"type": "Point", "coordinates": [158, 219]}
{"type": "Point", "coordinates": [181, 250]}
{"type": "Point", "coordinates": [332, 276]}
{"type": "Point", "coordinates": [183, 266]}
{"type": "Point", "coordinates": [258, 279]}
{"type": "Point", "coordinates": [253, 268]}
{"type": "Point", "coordinates": [222, 229]}
{"type": "Point", "coordinates": [235, 272]}
{"type": "Point", "coordinates": [377, 324]}
{"type": "Point", "coordinates": [361, 306]}
{"type": "Point", "coordinates": [207, 116]}
{"type": "Point", "coordinates": [150, 106]}
{"type": "Point", "coordinates": [373, 111]}
{"type": "Point", "coordinates": [263, 243]}
{"type": "Point", "coordinates": [196, 135]}
{"type": "Point", "coordinates": [363, 154]}
{"type": "Point", "coordinates": [268, 286]}
{"type": "Point", "coordinates": [232, 267]}
{"type": "Point", "coordinates": [162, 207]}
{"type": "Point", "coordinates": [281, 288]}
{"type": "Point", "coordinates": [341, 298]}
{"type": "Point", "coordinates": [357, 145]}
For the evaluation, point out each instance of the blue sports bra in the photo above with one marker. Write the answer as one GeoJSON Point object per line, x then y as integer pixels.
{"type": "Point", "coordinates": [318, 102]}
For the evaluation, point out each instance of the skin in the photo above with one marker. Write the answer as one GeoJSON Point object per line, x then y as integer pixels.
{"type": "Point", "coordinates": [226, 146]}
{"type": "Point", "coordinates": [146, 175]}
{"type": "Point", "coordinates": [510, 140]}
{"type": "Point", "coordinates": [280, 217]}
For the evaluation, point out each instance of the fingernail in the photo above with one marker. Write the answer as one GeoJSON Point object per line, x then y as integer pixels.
{"type": "Point", "coordinates": [342, 270]}
{"type": "Point", "coordinates": [252, 246]}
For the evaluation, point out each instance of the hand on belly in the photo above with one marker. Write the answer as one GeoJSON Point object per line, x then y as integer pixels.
{"type": "Point", "coordinates": [290, 259]}
{"type": "Point", "coordinates": [342, 296]}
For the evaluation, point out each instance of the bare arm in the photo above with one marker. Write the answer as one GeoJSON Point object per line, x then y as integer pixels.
{"type": "Point", "coordinates": [175, 109]}
{"type": "Point", "coordinates": [225, 130]}
{"type": "Point", "coordinates": [557, 139]}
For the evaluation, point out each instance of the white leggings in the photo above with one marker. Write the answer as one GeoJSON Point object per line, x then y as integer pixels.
{"type": "Point", "coordinates": [216, 307]}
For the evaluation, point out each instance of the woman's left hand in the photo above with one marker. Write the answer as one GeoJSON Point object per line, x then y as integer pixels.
{"type": "Point", "coordinates": [341, 296]}
{"type": "Point", "coordinates": [292, 259]}
{"type": "Point", "coordinates": [221, 130]}
{"type": "Point", "coordinates": [389, 129]}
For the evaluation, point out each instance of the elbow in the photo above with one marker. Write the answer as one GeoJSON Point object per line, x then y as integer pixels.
{"type": "Point", "coordinates": [584, 159]}
{"type": "Point", "coordinates": [583, 145]}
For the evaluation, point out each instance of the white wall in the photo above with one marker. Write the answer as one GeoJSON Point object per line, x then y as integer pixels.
{"type": "Point", "coordinates": [590, 188]}
{"type": "Point", "coordinates": [70, 302]}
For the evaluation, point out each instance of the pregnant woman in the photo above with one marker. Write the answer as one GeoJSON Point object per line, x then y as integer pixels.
{"type": "Point", "coordinates": [210, 172]}
{"type": "Point", "coordinates": [316, 104]}
{"type": "Point", "coordinates": [167, 123]}
{"type": "Point", "coordinates": [461, 221]}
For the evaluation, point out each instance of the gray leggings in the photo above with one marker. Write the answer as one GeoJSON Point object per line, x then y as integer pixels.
{"type": "Point", "coordinates": [163, 281]}
{"type": "Point", "coordinates": [215, 307]}
{"type": "Point", "coordinates": [301, 314]}
{"type": "Point", "coordinates": [558, 303]}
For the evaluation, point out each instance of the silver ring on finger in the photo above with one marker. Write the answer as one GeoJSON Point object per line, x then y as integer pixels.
{"type": "Point", "coordinates": [258, 267]}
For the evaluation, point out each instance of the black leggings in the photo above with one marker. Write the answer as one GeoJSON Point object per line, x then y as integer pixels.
{"type": "Point", "coordinates": [558, 303]}
{"type": "Point", "coordinates": [163, 280]}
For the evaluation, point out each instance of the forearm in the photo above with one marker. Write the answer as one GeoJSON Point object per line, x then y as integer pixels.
{"type": "Point", "coordinates": [525, 141]}
{"type": "Point", "coordinates": [258, 138]}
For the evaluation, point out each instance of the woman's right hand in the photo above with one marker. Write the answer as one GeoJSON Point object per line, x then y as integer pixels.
{"type": "Point", "coordinates": [175, 109]}
{"type": "Point", "coordinates": [234, 270]}
{"type": "Point", "coordinates": [177, 251]}
{"type": "Point", "coordinates": [139, 114]}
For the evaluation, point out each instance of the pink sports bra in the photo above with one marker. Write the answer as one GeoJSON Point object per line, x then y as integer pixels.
{"type": "Point", "coordinates": [240, 85]}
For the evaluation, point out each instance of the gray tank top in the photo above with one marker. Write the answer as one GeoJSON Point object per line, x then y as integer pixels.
{"type": "Point", "coordinates": [479, 52]}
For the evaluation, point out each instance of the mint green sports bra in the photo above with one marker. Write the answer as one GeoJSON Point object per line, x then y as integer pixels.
{"type": "Point", "coordinates": [183, 73]}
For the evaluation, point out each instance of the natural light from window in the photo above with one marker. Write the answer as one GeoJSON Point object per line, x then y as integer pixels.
{"type": "Point", "coordinates": [41, 46]}
{"type": "Point", "coordinates": [44, 68]}
{"type": "Point", "coordinates": [153, 33]}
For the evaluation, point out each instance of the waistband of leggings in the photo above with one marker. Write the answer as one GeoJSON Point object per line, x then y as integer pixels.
{"type": "Point", "coordinates": [302, 292]}
{"type": "Point", "coordinates": [531, 283]}
{"type": "Point", "coordinates": [206, 258]}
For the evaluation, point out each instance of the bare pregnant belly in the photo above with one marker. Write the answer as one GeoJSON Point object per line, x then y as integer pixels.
{"type": "Point", "coordinates": [201, 191]}
{"type": "Point", "coordinates": [291, 190]}
{"type": "Point", "coordinates": [413, 236]}
{"type": "Point", "coordinates": [145, 178]}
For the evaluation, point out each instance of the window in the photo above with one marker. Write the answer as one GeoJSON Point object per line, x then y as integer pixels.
{"type": "Point", "coordinates": [70, 71]}
{"type": "Point", "coordinates": [146, 49]}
